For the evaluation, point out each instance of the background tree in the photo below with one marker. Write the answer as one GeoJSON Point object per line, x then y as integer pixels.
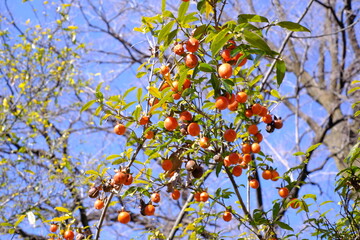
{"type": "Point", "coordinates": [106, 21]}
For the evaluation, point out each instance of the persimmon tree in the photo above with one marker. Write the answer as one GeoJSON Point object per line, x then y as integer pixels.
{"type": "Point", "coordinates": [193, 137]}
{"type": "Point", "coordinates": [198, 91]}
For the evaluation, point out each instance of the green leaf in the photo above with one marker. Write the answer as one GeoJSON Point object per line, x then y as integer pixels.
{"type": "Point", "coordinates": [60, 219]}
{"type": "Point", "coordinates": [313, 196]}
{"type": "Point", "coordinates": [87, 105]}
{"type": "Point", "coordinates": [284, 226]}
{"type": "Point", "coordinates": [220, 39]}
{"type": "Point", "coordinates": [163, 5]}
{"type": "Point", "coordinates": [139, 94]}
{"type": "Point", "coordinates": [244, 18]}
{"type": "Point", "coordinates": [111, 157]}
{"type": "Point", "coordinates": [295, 27]}
{"type": "Point", "coordinates": [165, 31]}
{"type": "Point", "coordinates": [206, 67]}
{"type": "Point", "coordinates": [4, 224]}
{"type": "Point", "coordinates": [182, 10]}
{"type": "Point", "coordinates": [275, 93]}
{"type": "Point", "coordinates": [353, 154]}
{"type": "Point", "coordinates": [93, 172]}
{"type": "Point", "coordinates": [20, 219]}
{"type": "Point", "coordinates": [313, 147]}
{"type": "Point", "coordinates": [140, 74]}
{"type": "Point", "coordinates": [128, 91]}
{"type": "Point", "coordinates": [280, 71]}
{"type": "Point", "coordinates": [62, 209]}
{"type": "Point", "coordinates": [326, 202]}
{"type": "Point", "coordinates": [155, 92]}
{"type": "Point", "coordinates": [299, 154]}
{"type": "Point", "coordinates": [275, 210]}
{"type": "Point", "coordinates": [257, 41]}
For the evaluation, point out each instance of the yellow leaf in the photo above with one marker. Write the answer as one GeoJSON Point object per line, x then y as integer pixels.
{"type": "Point", "coordinates": [72, 27]}
{"type": "Point", "coordinates": [208, 10]}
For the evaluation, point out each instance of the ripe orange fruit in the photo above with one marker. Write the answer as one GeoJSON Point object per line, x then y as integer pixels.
{"type": "Point", "coordinates": [153, 101]}
{"type": "Point", "coordinates": [197, 196]}
{"type": "Point", "coordinates": [164, 69]}
{"type": "Point", "coordinates": [266, 174]}
{"type": "Point", "coordinates": [243, 62]}
{"type": "Point", "coordinates": [128, 180]}
{"type": "Point", "coordinates": [294, 203]}
{"type": "Point", "coordinates": [191, 60]}
{"type": "Point", "coordinates": [254, 183]}
{"type": "Point", "coordinates": [241, 97]}
{"type": "Point", "coordinates": [274, 175]}
{"type": "Point", "coordinates": [253, 129]}
{"type": "Point", "coordinates": [278, 123]}
{"type": "Point", "coordinates": [256, 108]}
{"type": "Point", "coordinates": [53, 227]}
{"type": "Point", "coordinates": [179, 49]}
{"type": "Point", "coordinates": [248, 113]}
{"type": "Point", "coordinates": [258, 137]}
{"type": "Point", "coordinates": [174, 86]}
{"type": "Point", "coordinates": [226, 55]}
{"type": "Point", "coordinates": [204, 196]}
{"type": "Point", "coordinates": [166, 164]}
{"type": "Point", "coordinates": [227, 162]}
{"type": "Point", "coordinates": [149, 210]}
{"type": "Point", "coordinates": [255, 148]}
{"type": "Point", "coordinates": [124, 217]}
{"type": "Point", "coordinates": [225, 70]}
{"type": "Point", "coordinates": [221, 103]}
{"type": "Point", "coordinates": [149, 134]}
{"type": "Point", "coordinates": [237, 171]}
{"type": "Point", "coordinates": [193, 129]}
{"type": "Point", "coordinates": [99, 204]}
{"type": "Point", "coordinates": [170, 123]}
{"type": "Point", "coordinates": [176, 96]}
{"type": "Point", "coordinates": [246, 148]}
{"type": "Point", "coordinates": [247, 158]}
{"type": "Point", "coordinates": [234, 158]}
{"type": "Point", "coordinates": [231, 44]}
{"type": "Point", "coordinates": [120, 129]}
{"type": "Point", "coordinates": [155, 197]}
{"type": "Point", "coordinates": [233, 106]}
{"type": "Point", "coordinates": [69, 235]}
{"type": "Point", "coordinates": [230, 135]}
{"type": "Point", "coordinates": [192, 45]}
{"type": "Point", "coordinates": [204, 142]}
{"type": "Point", "coordinates": [283, 192]}
{"type": "Point", "coordinates": [175, 194]}
{"type": "Point", "coordinates": [186, 116]}
{"type": "Point", "coordinates": [144, 120]}
{"type": "Point", "coordinates": [243, 165]}
{"type": "Point", "coordinates": [186, 84]}
{"type": "Point", "coordinates": [165, 85]}
{"type": "Point", "coordinates": [230, 97]}
{"type": "Point", "coordinates": [267, 118]}
{"type": "Point", "coordinates": [263, 112]}
{"type": "Point", "coordinates": [119, 178]}
{"type": "Point", "coordinates": [227, 216]}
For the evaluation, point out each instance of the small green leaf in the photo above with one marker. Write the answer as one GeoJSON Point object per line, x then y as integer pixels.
{"type": "Point", "coordinates": [139, 94]}
{"type": "Point", "coordinates": [87, 105]}
{"type": "Point", "coordinates": [155, 92]}
{"type": "Point", "coordinates": [257, 41]}
{"type": "Point", "coordinates": [275, 93]}
{"type": "Point", "coordinates": [299, 154]}
{"type": "Point", "coordinates": [284, 226]}
{"type": "Point", "coordinates": [93, 172]}
{"type": "Point", "coordinates": [182, 10]}
{"type": "Point", "coordinates": [111, 157]}
{"type": "Point", "coordinates": [220, 39]}
{"type": "Point", "coordinates": [280, 71]}
{"type": "Point", "coordinates": [206, 67]}
{"type": "Point", "coordinates": [295, 27]}
{"type": "Point", "coordinates": [62, 209]}
{"type": "Point", "coordinates": [326, 202]}
{"type": "Point", "coordinates": [128, 91]}
{"type": "Point", "coordinates": [20, 219]}
{"type": "Point", "coordinates": [140, 74]}
{"type": "Point", "coordinates": [4, 224]}
{"type": "Point", "coordinates": [353, 154]}
{"type": "Point", "coordinates": [313, 147]}
{"type": "Point", "coordinates": [244, 18]}
{"type": "Point", "coordinates": [165, 31]}
{"type": "Point", "coordinates": [313, 196]}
